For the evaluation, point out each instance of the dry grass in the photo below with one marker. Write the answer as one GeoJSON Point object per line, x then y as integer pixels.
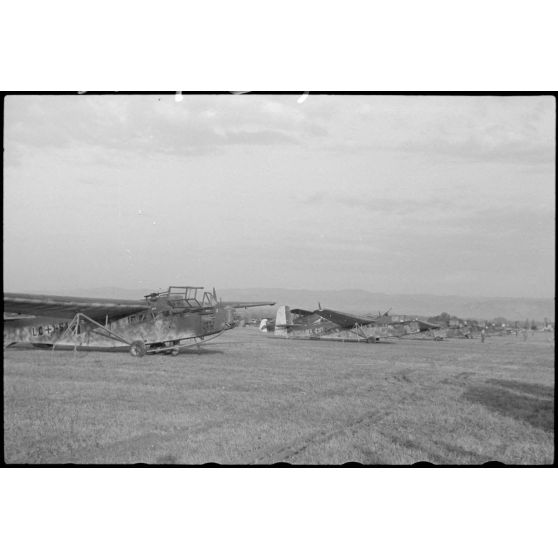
{"type": "Point", "coordinates": [252, 399]}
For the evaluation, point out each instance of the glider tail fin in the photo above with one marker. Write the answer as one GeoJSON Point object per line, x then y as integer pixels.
{"type": "Point", "coordinates": [283, 320]}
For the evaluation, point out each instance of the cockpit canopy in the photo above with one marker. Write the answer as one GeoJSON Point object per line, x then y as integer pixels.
{"type": "Point", "coordinates": [185, 298]}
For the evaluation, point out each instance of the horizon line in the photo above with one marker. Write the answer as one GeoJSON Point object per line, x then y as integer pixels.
{"type": "Point", "coordinates": [306, 289]}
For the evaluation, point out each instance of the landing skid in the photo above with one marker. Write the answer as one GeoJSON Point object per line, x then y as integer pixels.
{"type": "Point", "coordinates": [175, 350]}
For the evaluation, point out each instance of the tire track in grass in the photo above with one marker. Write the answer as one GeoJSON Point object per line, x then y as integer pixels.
{"type": "Point", "coordinates": [136, 444]}
{"type": "Point", "coordinates": [461, 379]}
{"type": "Point", "coordinates": [432, 453]}
{"type": "Point", "coordinates": [296, 447]}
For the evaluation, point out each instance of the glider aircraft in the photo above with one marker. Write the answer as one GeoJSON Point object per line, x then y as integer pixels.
{"type": "Point", "coordinates": [339, 326]}
{"type": "Point", "coordinates": [163, 322]}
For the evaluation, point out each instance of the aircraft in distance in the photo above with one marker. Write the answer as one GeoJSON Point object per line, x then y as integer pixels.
{"type": "Point", "coordinates": [164, 322]}
{"type": "Point", "coordinates": [473, 330]}
{"type": "Point", "coordinates": [339, 326]}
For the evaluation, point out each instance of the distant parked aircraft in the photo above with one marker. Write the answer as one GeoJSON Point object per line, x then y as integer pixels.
{"type": "Point", "coordinates": [164, 322]}
{"type": "Point", "coordinates": [333, 325]}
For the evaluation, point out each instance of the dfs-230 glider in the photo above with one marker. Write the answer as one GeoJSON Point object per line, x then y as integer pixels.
{"type": "Point", "coordinates": [164, 322]}
{"type": "Point", "coordinates": [333, 325]}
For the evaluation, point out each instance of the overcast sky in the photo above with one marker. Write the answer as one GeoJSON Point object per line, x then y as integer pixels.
{"type": "Point", "coordinates": [394, 194]}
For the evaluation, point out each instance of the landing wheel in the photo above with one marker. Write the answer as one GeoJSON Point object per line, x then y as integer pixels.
{"type": "Point", "coordinates": [174, 352]}
{"type": "Point", "coordinates": [137, 349]}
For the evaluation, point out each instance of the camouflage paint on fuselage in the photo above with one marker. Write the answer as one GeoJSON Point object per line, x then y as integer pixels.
{"type": "Point", "coordinates": [168, 318]}
{"type": "Point", "coordinates": [301, 324]}
{"type": "Point", "coordinates": [143, 326]}
{"type": "Point", "coordinates": [338, 326]}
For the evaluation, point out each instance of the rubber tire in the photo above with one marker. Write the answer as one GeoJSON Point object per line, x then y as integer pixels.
{"type": "Point", "coordinates": [174, 352]}
{"type": "Point", "coordinates": [137, 349]}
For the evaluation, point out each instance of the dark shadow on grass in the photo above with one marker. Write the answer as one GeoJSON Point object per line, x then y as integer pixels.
{"type": "Point", "coordinates": [532, 403]}
{"type": "Point", "coordinates": [537, 390]}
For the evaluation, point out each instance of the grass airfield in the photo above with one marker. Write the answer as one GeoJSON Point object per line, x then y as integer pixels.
{"type": "Point", "coordinates": [249, 398]}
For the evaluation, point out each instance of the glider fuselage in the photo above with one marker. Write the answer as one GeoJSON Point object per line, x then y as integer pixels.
{"type": "Point", "coordinates": [163, 322]}
{"type": "Point", "coordinates": [143, 326]}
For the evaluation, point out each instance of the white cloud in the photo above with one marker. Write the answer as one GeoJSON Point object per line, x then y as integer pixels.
{"type": "Point", "coordinates": [248, 188]}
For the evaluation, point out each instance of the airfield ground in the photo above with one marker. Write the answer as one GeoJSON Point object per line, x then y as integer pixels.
{"type": "Point", "coordinates": [254, 399]}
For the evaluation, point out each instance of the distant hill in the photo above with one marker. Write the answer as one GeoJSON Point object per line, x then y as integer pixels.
{"type": "Point", "coordinates": [362, 302]}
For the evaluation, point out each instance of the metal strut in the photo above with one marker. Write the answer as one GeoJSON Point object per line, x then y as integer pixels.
{"type": "Point", "coordinates": [73, 329]}
{"type": "Point", "coordinates": [359, 332]}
